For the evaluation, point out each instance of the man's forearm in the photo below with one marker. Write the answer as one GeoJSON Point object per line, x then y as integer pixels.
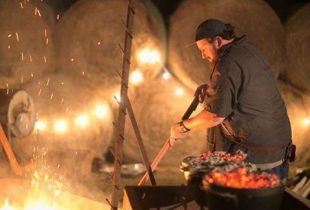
{"type": "Point", "coordinates": [203, 120]}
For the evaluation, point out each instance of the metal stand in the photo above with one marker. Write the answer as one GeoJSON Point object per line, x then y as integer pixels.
{"type": "Point", "coordinates": [125, 105]}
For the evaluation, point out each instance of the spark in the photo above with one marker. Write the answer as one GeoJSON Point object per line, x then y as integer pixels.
{"type": "Point", "coordinates": [136, 77]}
{"type": "Point", "coordinates": [52, 95]}
{"type": "Point", "coordinates": [47, 82]}
{"type": "Point", "coordinates": [17, 36]}
{"type": "Point", "coordinates": [45, 32]}
{"type": "Point", "coordinates": [37, 11]}
{"type": "Point", "coordinates": [9, 35]}
{"type": "Point", "coordinates": [30, 58]}
{"type": "Point", "coordinates": [21, 5]}
{"type": "Point", "coordinates": [57, 17]}
{"type": "Point", "coordinates": [44, 57]}
{"type": "Point", "coordinates": [72, 59]}
{"type": "Point", "coordinates": [22, 54]}
{"type": "Point", "coordinates": [9, 46]}
{"type": "Point", "coordinates": [46, 41]}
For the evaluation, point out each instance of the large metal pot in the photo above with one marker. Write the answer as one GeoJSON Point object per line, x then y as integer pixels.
{"type": "Point", "coordinates": [225, 198]}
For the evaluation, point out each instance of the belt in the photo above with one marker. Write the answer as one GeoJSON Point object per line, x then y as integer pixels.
{"type": "Point", "coordinates": [266, 166]}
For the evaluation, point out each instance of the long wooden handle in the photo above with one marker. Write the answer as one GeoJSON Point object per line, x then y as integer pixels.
{"type": "Point", "coordinates": [156, 161]}
{"type": "Point", "coordinates": [17, 169]}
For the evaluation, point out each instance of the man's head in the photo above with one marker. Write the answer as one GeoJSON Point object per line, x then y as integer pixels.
{"type": "Point", "coordinates": [211, 35]}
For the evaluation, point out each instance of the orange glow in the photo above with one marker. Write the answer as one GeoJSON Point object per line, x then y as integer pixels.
{"type": "Point", "coordinates": [82, 121]}
{"type": "Point", "coordinates": [61, 126]}
{"type": "Point", "coordinates": [241, 178]}
{"type": "Point", "coordinates": [148, 56]}
{"type": "Point", "coordinates": [179, 92]}
{"type": "Point", "coordinates": [40, 125]}
{"type": "Point", "coordinates": [136, 77]}
{"type": "Point", "coordinates": [101, 111]}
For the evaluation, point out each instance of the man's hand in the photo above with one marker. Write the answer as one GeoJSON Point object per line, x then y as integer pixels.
{"type": "Point", "coordinates": [177, 132]}
{"type": "Point", "coordinates": [201, 92]}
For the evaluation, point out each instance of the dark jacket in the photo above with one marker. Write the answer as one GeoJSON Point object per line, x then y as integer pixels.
{"type": "Point", "coordinates": [245, 93]}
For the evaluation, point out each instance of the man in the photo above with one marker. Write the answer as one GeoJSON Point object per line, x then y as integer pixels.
{"type": "Point", "coordinates": [244, 110]}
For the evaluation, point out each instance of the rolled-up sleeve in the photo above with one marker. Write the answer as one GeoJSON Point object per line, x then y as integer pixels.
{"type": "Point", "coordinates": [225, 84]}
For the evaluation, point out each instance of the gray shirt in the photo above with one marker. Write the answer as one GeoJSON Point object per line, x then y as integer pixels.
{"type": "Point", "coordinates": [245, 93]}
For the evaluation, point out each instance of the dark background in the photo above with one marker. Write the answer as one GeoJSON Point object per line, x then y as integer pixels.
{"type": "Point", "coordinates": [284, 8]}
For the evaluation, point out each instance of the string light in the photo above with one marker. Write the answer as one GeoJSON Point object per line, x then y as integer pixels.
{"type": "Point", "coordinates": [82, 121]}
{"type": "Point", "coordinates": [166, 75]}
{"type": "Point", "coordinates": [179, 92]}
{"type": "Point", "coordinates": [117, 96]}
{"type": "Point", "coordinates": [61, 126]}
{"type": "Point", "coordinates": [136, 77]}
{"type": "Point", "coordinates": [40, 125]}
{"type": "Point", "coordinates": [306, 121]}
{"type": "Point", "coordinates": [101, 111]}
{"type": "Point", "coordinates": [148, 56]}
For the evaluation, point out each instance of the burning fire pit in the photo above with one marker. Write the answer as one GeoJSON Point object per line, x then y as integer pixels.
{"type": "Point", "coordinates": [226, 181]}
{"type": "Point", "coordinates": [242, 190]}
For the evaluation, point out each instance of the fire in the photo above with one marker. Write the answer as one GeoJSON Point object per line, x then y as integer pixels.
{"type": "Point", "coordinates": [6, 205]}
{"type": "Point", "coordinates": [242, 179]}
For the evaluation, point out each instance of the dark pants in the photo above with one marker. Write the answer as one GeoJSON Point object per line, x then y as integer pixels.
{"type": "Point", "coordinates": [281, 171]}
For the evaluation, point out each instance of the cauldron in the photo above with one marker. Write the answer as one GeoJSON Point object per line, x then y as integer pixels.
{"type": "Point", "coordinates": [226, 198]}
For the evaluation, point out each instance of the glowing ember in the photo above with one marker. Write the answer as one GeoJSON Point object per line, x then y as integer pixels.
{"type": "Point", "coordinates": [241, 178]}
{"type": "Point", "coordinates": [136, 77]}
{"type": "Point", "coordinates": [220, 156]}
{"type": "Point", "coordinates": [148, 56]}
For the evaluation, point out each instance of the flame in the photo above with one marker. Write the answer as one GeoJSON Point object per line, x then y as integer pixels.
{"type": "Point", "coordinates": [242, 179]}
{"type": "Point", "coordinates": [6, 205]}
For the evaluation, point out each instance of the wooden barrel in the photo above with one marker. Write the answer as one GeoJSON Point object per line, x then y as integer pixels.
{"type": "Point", "coordinates": [254, 18]}
{"type": "Point", "coordinates": [26, 43]}
{"type": "Point", "coordinates": [61, 97]}
{"type": "Point", "coordinates": [297, 104]}
{"type": "Point", "coordinates": [90, 32]}
{"type": "Point", "coordinates": [298, 48]}
{"type": "Point", "coordinates": [157, 105]}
